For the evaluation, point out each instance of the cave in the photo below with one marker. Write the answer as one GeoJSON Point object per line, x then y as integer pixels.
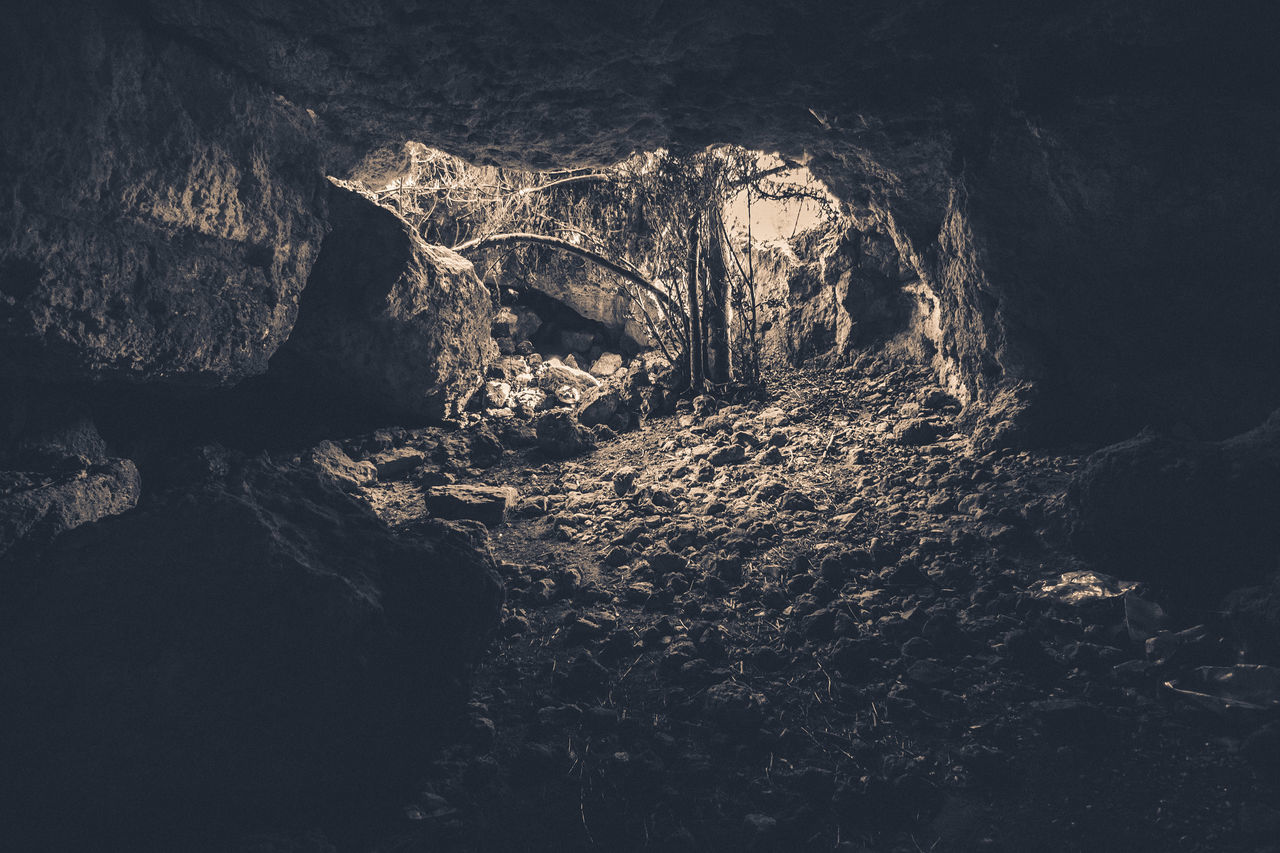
{"type": "Point", "coordinates": [350, 504]}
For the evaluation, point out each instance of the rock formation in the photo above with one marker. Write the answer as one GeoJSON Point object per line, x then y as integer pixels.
{"type": "Point", "coordinates": [1194, 515]}
{"type": "Point", "coordinates": [387, 320]}
{"type": "Point", "coordinates": [1040, 172]}
{"type": "Point", "coordinates": [161, 211]}
{"type": "Point", "coordinates": [248, 647]}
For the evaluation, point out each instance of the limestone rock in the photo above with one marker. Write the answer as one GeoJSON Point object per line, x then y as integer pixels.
{"type": "Point", "coordinates": [497, 395]}
{"type": "Point", "coordinates": [606, 365]}
{"type": "Point", "coordinates": [334, 464]}
{"type": "Point", "coordinates": [397, 462]}
{"type": "Point", "coordinates": [598, 407]}
{"type": "Point", "coordinates": [560, 435]}
{"type": "Point", "coordinates": [161, 220]}
{"type": "Point", "coordinates": [485, 504]}
{"type": "Point", "coordinates": [388, 320]}
{"type": "Point", "coordinates": [553, 374]}
{"type": "Point", "coordinates": [38, 507]}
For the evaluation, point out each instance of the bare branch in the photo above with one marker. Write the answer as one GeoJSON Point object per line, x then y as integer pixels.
{"type": "Point", "coordinates": [616, 267]}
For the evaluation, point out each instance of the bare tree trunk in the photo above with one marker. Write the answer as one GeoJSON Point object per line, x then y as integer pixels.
{"type": "Point", "coordinates": [697, 355]}
{"type": "Point", "coordinates": [719, 308]}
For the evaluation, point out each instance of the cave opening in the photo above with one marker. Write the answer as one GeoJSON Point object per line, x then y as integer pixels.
{"type": "Point", "coordinates": [909, 487]}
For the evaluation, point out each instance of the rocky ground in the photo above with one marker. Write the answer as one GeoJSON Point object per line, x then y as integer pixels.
{"type": "Point", "coordinates": [817, 621]}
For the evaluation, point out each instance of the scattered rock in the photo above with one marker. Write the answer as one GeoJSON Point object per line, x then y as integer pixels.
{"type": "Point", "coordinates": [916, 432]}
{"type": "Point", "coordinates": [334, 464]}
{"type": "Point", "coordinates": [606, 365]}
{"type": "Point", "coordinates": [727, 454]}
{"type": "Point", "coordinates": [497, 395]}
{"type": "Point", "coordinates": [561, 436]}
{"type": "Point", "coordinates": [485, 504]}
{"type": "Point", "coordinates": [795, 501]}
{"type": "Point", "coordinates": [391, 464]}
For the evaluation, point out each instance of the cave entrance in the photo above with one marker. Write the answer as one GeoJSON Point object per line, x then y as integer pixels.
{"type": "Point", "coordinates": [657, 253]}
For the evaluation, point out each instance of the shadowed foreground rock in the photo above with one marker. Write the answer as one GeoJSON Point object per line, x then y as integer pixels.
{"type": "Point", "coordinates": [1192, 514]}
{"type": "Point", "coordinates": [388, 320]}
{"type": "Point", "coordinates": [256, 646]}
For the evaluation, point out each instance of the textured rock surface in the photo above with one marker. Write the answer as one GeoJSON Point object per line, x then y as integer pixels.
{"type": "Point", "coordinates": [40, 507]}
{"type": "Point", "coordinates": [333, 463]}
{"type": "Point", "coordinates": [1087, 195]}
{"type": "Point", "coordinates": [486, 504]}
{"type": "Point", "coordinates": [1041, 171]}
{"type": "Point", "coordinates": [388, 320]}
{"type": "Point", "coordinates": [560, 435]}
{"type": "Point", "coordinates": [237, 650]}
{"type": "Point", "coordinates": [160, 215]}
{"type": "Point", "coordinates": [834, 294]}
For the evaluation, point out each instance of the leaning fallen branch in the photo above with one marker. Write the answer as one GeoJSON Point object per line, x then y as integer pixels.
{"type": "Point", "coordinates": [625, 270]}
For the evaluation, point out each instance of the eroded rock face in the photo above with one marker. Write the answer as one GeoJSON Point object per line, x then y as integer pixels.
{"type": "Point", "coordinates": [160, 213]}
{"type": "Point", "coordinates": [388, 320]}
{"type": "Point", "coordinates": [38, 507]}
{"type": "Point", "coordinates": [257, 644]}
{"type": "Point", "coordinates": [835, 294]}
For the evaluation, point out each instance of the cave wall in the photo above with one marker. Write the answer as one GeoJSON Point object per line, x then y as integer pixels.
{"type": "Point", "coordinates": [833, 294]}
{"type": "Point", "coordinates": [1086, 191]}
{"type": "Point", "coordinates": [1114, 251]}
{"type": "Point", "coordinates": [160, 214]}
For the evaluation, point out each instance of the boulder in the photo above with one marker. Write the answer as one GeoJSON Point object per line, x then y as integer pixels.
{"type": "Point", "coordinates": [497, 395]}
{"type": "Point", "coordinates": [598, 407]}
{"type": "Point", "coordinates": [388, 321]}
{"type": "Point", "coordinates": [397, 462]}
{"type": "Point", "coordinates": [1197, 515]}
{"type": "Point", "coordinates": [260, 644]}
{"type": "Point", "coordinates": [173, 225]}
{"type": "Point", "coordinates": [333, 463]}
{"type": "Point", "coordinates": [560, 435]}
{"type": "Point", "coordinates": [916, 432]}
{"type": "Point", "coordinates": [606, 365]}
{"type": "Point", "coordinates": [39, 507]}
{"type": "Point", "coordinates": [485, 504]}
{"type": "Point", "coordinates": [553, 373]}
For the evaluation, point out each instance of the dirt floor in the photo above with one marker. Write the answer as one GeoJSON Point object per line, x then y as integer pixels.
{"type": "Point", "coordinates": [821, 622]}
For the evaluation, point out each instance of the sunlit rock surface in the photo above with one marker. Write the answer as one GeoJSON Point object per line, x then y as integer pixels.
{"type": "Point", "coordinates": [37, 506]}
{"type": "Point", "coordinates": [160, 212]}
